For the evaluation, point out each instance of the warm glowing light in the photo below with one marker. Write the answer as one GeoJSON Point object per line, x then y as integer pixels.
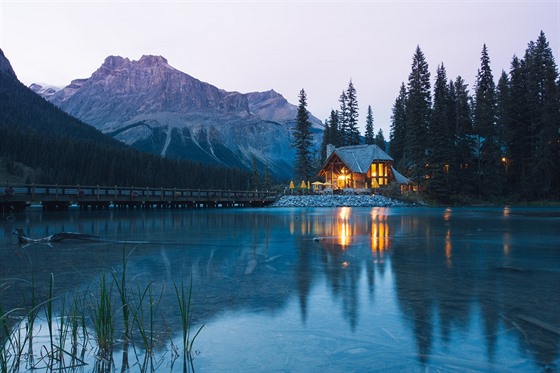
{"type": "Point", "coordinates": [344, 231]}
{"type": "Point", "coordinates": [345, 264]}
{"type": "Point", "coordinates": [447, 214]}
{"type": "Point", "coordinates": [344, 213]}
{"type": "Point", "coordinates": [379, 231]}
{"type": "Point", "coordinates": [448, 248]}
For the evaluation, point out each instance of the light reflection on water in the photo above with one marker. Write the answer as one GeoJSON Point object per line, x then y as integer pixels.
{"type": "Point", "coordinates": [449, 289]}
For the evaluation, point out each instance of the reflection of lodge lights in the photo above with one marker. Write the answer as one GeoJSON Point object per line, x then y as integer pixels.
{"type": "Point", "coordinates": [447, 214]}
{"type": "Point", "coordinates": [448, 248]}
{"type": "Point", "coordinates": [344, 229]}
{"type": "Point", "coordinates": [379, 232]}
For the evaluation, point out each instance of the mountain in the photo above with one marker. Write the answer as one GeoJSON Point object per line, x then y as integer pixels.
{"type": "Point", "coordinates": [156, 108]}
{"type": "Point", "coordinates": [6, 67]}
{"type": "Point", "coordinates": [39, 143]}
{"type": "Point", "coordinates": [44, 90]}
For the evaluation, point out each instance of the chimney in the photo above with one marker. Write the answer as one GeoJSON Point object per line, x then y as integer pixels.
{"type": "Point", "coordinates": [330, 149]}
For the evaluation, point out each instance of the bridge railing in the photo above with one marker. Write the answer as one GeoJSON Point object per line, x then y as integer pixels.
{"type": "Point", "coordinates": [42, 192]}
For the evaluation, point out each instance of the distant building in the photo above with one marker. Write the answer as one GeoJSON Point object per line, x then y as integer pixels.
{"type": "Point", "coordinates": [361, 166]}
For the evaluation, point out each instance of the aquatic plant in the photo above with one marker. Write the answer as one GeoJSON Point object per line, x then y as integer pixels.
{"type": "Point", "coordinates": [66, 328]}
{"type": "Point", "coordinates": [103, 319]}
{"type": "Point", "coordinates": [121, 283]}
{"type": "Point", "coordinates": [186, 314]}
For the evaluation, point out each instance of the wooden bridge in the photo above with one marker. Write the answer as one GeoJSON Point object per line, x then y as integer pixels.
{"type": "Point", "coordinates": [61, 197]}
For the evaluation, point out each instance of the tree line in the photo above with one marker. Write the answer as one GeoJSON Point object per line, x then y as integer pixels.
{"type": "Point", "coordinates": [57, 148]}
{"type": "Point", "coordinates": [503, 140]}
{"type": "Point", "coordinates": [341, 129]}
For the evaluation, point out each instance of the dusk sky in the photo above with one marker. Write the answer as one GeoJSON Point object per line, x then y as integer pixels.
{"type": "Point", "coordinates": [250, 46]}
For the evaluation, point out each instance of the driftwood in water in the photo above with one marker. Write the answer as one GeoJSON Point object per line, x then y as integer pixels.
{"type": "Point", "coordinates": [57, 237]}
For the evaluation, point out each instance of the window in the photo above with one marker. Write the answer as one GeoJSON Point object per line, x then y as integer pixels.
{"type": "Point", "coordinates": [379, 173]}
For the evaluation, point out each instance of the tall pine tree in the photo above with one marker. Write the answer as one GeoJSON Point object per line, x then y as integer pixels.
{"type": "Point", "coordinates": [439, 147]}
{"type": "Point", "coordinates": [418, 108]}
{"type": "Point", "coordinates": [369, 136]}
{"type": "Point", "coordinates": [464, 139]}
{"type": "Point", "coordinates": [490, 170]}
{"type": "Point", "coordinates": [352, 105]}
{"type": "Point", "coordinates": [303, 141]}
{"type": "Point", "coordinates": [343, 120]}
{"type": "Point", "coordinates": [397, 136]}
{"type": "Point", "coordinates": [380, 140]}
{"type": "Point", "coordinates": [518, 153]}
{"type": "Point", "coordinates": [330, 136]}
{"type": "Point", "coordinates": [544, 117]}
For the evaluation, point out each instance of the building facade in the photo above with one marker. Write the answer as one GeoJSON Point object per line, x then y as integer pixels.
{"type": "Point", "coordinates": [360, 167]}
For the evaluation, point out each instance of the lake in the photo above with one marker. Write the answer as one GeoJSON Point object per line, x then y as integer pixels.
{"type": "Point", "coordinates": [315, 289]}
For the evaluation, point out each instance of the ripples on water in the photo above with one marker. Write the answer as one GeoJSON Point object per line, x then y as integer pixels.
{"type": "Point", "coordinates": [353, 289]}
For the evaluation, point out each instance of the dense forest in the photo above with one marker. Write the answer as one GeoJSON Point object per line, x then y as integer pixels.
{"type": "Point", "coordinates": [49, 146]}
{"type": "Point", "coordinates": [500, 142]}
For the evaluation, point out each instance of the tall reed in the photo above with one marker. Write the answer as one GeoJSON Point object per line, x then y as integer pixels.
{"type": "Point", "coordinates": [121, 284]}
{"type": "Point", "coordinates": [186, 314]}
{"type": "Point", "coordinates": [103, 320]}
{"type": "Point", "coordinates": [147, 332]}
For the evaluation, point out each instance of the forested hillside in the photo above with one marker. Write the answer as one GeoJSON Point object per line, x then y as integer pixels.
{"type": "Point", "coordinates": [57, 148]}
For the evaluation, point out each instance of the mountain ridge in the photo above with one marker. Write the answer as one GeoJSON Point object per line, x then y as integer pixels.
{"type": "Point", "coordinates": [39, 143]}
{"type": "Point", "coordinates": [152, 106]}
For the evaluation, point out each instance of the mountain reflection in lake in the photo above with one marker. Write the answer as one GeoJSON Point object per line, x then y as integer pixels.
{"type": "Point", "coordinates": [345, 289]}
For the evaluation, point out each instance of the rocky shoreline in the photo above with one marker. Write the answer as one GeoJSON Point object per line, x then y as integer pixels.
{"type": "Point", "coordinates": [339, 201]}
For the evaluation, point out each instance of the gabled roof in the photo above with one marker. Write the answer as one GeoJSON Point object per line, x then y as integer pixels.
{"type": "Point", "coordinates": [358, 158]}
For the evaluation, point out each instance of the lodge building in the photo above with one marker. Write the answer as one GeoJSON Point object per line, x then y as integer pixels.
{"type": "Point", "coordinates": [361, 167]}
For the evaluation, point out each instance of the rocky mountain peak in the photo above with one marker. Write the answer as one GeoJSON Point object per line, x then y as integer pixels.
{"type": "Point", "coordinates": [149, 60]}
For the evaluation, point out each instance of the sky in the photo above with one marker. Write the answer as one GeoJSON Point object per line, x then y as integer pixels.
{"type": "Point", "coordinates": [287, 46]}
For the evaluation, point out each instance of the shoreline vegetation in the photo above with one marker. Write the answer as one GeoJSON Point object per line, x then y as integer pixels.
{"type": "Point", "coordinates": [112, 318]}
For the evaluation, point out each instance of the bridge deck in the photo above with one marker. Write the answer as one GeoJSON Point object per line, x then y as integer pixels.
{"type": "Point", "coordinates": [56, 197]}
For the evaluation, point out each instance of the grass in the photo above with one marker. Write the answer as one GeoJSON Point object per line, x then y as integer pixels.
{"type": "Point", "coordinates": [186, 314]}
{"type": "Point", "coordinates": [71, 321]}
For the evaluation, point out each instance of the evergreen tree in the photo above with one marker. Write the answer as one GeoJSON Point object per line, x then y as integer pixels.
{"type": "Point", "coordinates": [369, 137]}
{"type": "Point", "coordinates": [503, 110]}
{"type": "Point", "coordinates": [303, 141]}
{"type": "Point", "coordinates": [518, 130]}
{"type": "Point", "coordinates": [439, 147]}
{"type": "Point", "coordinates": [352, 106]}
{"type": "Point", "coordinates": [344, 120]}
{"type": "Point", "coordinates": [335, 129]}
{"type": "Point", "coordinates": [380, 140]}
{"type": "Point", "coordinates": [418, 108]}
{"type": "Point", "coordinates": [489, 158]}
{"type": "Point", "coordinates": [544, 117]}
{"type": "Point", "coordinates": [330, 135]}
{"type": "Point", "coordinates": [397, 136]}
{"type": "Point", "coordinates": [464, 139]}
{"type": "Point", "coordinates": [327, 139]}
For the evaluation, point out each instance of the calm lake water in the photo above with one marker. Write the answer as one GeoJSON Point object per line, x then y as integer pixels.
{"type": "Point", "coordinates": [322, 289]}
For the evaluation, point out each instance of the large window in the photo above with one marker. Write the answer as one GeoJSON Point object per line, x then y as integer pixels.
{"type": "Point", "coordinates": [379, 174]}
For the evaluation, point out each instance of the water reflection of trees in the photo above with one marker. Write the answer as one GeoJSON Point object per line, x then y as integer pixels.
{"type": "Point", "coordinates": [440, 277]}
{"type": "Point", "coordinates": [448, 271]}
